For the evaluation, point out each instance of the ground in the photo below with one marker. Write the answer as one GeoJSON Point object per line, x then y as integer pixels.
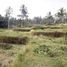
{"type": "Point", "coordinates": [39, 51]}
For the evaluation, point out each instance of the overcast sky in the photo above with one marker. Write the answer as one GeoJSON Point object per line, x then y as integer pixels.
{"type": "Point", "coordinates": [35, 7]}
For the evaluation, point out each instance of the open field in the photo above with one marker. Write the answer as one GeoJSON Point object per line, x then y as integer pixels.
{"type": "Point", "coordinates": [37, 50]}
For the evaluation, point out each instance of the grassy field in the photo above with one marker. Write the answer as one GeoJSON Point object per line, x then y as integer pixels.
{"type": "Point", "coordinates": [39, 51]}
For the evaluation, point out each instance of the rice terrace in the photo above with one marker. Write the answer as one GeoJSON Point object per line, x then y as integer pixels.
{"type": "Point", "coordinates": [31, 37]}
{"type": "Point", "coordinates": [39, 46]}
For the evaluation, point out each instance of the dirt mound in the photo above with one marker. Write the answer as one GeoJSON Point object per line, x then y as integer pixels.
{"type": "Point", "coordinates": [52, 34]}
{"type": "Point", "coordinates": [22, 29]}
{"type": "Point", "coordinates": [13, 40]}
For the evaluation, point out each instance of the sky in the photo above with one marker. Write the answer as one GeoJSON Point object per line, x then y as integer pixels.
{"type": "Point", "coordinates": [35, 7]}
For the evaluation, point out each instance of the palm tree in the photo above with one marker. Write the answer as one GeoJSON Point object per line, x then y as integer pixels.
{"type": "Point", "coordinates": [61, 14]}
{"type": "Point", "coordinates": [50, 18]}
{"type": "Point", "coordinates": [24, 14]}
{"type": "Point", "coordinates": [8, 14]}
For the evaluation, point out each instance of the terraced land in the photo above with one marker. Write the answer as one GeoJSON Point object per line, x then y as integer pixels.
{"type": "Point", "coordinates": [24, 48]}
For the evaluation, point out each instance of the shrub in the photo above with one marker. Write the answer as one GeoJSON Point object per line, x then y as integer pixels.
{"type": "Point", "coordinates": [41, 49]}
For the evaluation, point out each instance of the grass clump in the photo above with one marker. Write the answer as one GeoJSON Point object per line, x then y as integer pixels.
{"type": "Point", "coordinates": [41, 49]}
{"type": "Point", "coordinates": [48, 51]}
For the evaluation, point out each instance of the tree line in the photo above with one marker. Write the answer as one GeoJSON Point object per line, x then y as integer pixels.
{"type": "Point", "coordinates": [23, 21]}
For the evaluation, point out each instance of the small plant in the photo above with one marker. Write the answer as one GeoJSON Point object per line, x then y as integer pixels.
{"type": "Point", "coordinates": [41, 49]}
{"type": "Point", "coordinates": [63, 48]}
{"type": "Point", "coordinates": [51, 53]}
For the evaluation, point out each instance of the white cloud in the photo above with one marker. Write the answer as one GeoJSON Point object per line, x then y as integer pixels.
{"type": "Point", "coordinates": [35, 7]}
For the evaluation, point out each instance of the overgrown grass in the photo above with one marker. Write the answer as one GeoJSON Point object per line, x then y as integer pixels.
{"type": "Point", "coordinates": [40, 51]}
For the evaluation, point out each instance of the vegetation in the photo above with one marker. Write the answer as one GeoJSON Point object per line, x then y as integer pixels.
{"type": "Point", "coordinates": [58, 18]}
{"type": "Point", "coordinates": [39, 50]}
{"type": "Point", "coordinates": [37, 42]}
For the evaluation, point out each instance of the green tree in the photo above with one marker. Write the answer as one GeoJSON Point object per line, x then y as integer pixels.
{"type": "Point", "coordinates": [24, 13]}
{"type": "Point", "coordinates": [9, 11]}
{"type": "Point", "coordinates": [49, 18]}
{"type": "Point", "coordinates": [61, 14]}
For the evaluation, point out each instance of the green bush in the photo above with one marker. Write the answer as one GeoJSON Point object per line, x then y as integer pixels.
{"type": "Point", "coordinates": [46, 50]}
{"type": "Point", "coordinates": [41, 49]}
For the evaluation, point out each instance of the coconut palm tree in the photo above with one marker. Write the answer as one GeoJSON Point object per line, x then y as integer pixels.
{"type": "Point", "coordinates": [61, 14]}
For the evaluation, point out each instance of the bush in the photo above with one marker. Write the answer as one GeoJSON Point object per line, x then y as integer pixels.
{"type": "Point", "coordinates": [41, 49]}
